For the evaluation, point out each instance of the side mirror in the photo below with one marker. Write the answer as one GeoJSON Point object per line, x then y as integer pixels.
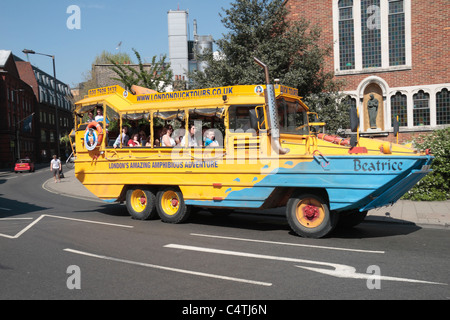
{"type": "Point", "coordinates": [396, 126]}
{"type": "Point", "coordinates": [314, 122]}
{"type": "Point", "coordinates": [354, 120]}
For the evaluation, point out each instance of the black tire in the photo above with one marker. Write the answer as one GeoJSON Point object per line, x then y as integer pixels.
{"type": "Point", "coordinates": [350, 219]}
{"type": "Point", "coordinates": [141, 203]}
{"type": "Point", "coordinates": [171, 207]}
{"type": "Point", "coordinates": [309, 216]}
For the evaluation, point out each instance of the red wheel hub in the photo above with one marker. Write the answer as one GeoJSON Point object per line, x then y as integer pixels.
{"type": "Point", "coordinates": [174, 202]}
{"type": "Point", "coordinates": [143, 200]}
{"type": "Point", "coordinates": [310, 212]}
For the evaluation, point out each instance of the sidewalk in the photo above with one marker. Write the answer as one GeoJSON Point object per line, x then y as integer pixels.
{"type": "Point", "coordinates": [69, 187]}
{"type": "Point", "coordinates": [403, 211]}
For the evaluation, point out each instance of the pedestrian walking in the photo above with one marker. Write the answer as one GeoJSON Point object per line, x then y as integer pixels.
{"type": "Point", "coordinates": [55, 167]}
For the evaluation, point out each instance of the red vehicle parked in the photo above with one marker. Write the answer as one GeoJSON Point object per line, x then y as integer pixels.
{"type": "Point", "coordinates": [24, 165]}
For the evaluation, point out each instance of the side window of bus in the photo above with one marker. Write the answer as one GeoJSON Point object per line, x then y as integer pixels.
{"type": "Point", "coordinates": [168, 128]}
{"type": "Point", "coordinates": [245, 117]}
{"type": "Point", "coordinates": [205, 128]}
{"type": "Point", "coordinates": [292, 118]}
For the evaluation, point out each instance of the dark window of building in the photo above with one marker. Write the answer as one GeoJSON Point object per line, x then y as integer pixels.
{"type": "Point", "coordinates": [371, 33]}
{"type": "Point", "coordinates": [396, 33]}
{"type": "Point", "coordinates": [346, 35]}
{"type": "Point", "coordinates": [421, 110]}
{"type": "Point", "coordinates": [443, 107]}
{"type": "Point", "coordinates": [399, 109]}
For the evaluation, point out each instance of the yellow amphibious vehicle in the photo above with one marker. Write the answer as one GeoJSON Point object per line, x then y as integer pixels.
{"type": "Point", "coordinates": [234, 147]}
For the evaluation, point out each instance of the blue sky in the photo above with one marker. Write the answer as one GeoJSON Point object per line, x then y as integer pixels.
{"type": "Point", "coordinates": [42, 26]}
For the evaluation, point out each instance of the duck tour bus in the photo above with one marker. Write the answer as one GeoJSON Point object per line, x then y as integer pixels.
{"type": "Point", "coordinates": [236, 147]}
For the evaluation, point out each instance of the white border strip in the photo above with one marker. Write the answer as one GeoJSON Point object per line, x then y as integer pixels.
{"type": "Point", "coordinates": [64, 218]}
{"type": "Point", "coordinates": [195, 273]}
{"type": "Point", "coordinates": [337, 270]}
{"type": "Point", "coordinates": [287, 243]}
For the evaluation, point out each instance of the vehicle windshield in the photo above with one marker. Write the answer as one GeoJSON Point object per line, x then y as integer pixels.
{"type": "Point", "coordinates": [292, 117]}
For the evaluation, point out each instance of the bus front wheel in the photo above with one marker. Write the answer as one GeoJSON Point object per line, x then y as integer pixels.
{"type": "Point", "coordinates": [141, 203]}
{"type": "Point", "coordinates": [171, 207]}
{"type": "Point", "coordinates": [309, 216]}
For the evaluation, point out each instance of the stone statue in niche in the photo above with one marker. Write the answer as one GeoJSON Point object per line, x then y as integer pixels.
{"type": "Point", "coordinates": [372, 106]}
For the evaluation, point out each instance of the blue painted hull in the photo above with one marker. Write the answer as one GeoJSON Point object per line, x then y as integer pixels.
{"type": "Point", "coordinates": [351, 182]}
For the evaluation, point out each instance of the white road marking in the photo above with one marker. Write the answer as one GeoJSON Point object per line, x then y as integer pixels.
{"type": "Point", "coordinates": [287, 243]}
{"type": "Point", "coordinates": [9, 178]}
{"type": "Point", "coordinates": [7, 219]}
{"type": "Point", "coordinates": [44, 186]}
{"type": "Point", "coordinates": [58, 217]}
{"type": "Point", "coordinates": [350, 273]}
{"type": "Point", "coordinates": [338, 270]}
{"type": "Point", "coordinates": [201, 274]}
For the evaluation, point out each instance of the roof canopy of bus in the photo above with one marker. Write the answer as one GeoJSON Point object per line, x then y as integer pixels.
{"type": "Point", "coordinates": [123, 102]}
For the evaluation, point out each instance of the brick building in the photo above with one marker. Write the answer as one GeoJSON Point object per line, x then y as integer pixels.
{"type": "Point", "coordinates": [17, 104]}
{"type": "Point", "coordinates": [42, 84]}
{"type": "Point", "coordinates": [27, 112]}
{"type": "Point", "coordinates": [395, 50]}
{"type": "Point", "coordinates": [105, 76]}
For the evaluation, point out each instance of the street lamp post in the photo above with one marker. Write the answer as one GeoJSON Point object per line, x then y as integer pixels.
{"type": "Point", "coordinates": [26, 51]}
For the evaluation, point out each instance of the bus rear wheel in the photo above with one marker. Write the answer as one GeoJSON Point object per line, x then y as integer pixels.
{"type": "Point", "coordinates": [309, 216]}
{"type": "Point", "coordinates": [141, 203]}
{"type": "Point", "coordinates": [171, 207]}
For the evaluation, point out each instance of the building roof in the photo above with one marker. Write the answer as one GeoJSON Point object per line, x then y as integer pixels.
{"type": "Point", "coordinates": [4, 55]}
{"type": "Point", "coordinates": [27, 75]}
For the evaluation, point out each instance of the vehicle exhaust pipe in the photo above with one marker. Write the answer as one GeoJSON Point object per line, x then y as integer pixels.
{"type": "Point", "coordinates": [271, 112]}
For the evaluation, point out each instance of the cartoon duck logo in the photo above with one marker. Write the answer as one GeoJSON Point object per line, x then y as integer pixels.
{"type": "Point", "coordinates": [90, 139]}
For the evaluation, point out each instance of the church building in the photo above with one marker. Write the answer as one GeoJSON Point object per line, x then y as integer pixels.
{"type": "Point", "coordinates": [393, 58]}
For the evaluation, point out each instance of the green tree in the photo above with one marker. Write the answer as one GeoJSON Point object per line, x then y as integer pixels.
{"type": "Point", "coordinates": [90, 79]}
{"type": "Point", "coordinates": [260, 28]}
{"type": "Point", "coordinates": [106, 57]}
{"type": "Point", "coordinates": [332, 108]}
{"type": "Point", "coordinates": [156, 76]}
{"type": "Point", "coordinates": [436, 185]}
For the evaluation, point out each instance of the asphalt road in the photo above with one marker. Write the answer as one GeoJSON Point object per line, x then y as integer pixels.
{"type": "Point", "coordinates": [55, 247]}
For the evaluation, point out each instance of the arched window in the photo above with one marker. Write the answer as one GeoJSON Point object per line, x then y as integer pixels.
{"type": "Point", "coordinates": [399, 108]}
{"type": "Point", "coordinates": [421, 110]}
{"type": "Point", "coordinates": [443, 107]}
{"type": "Point", "coordinates": [346, 35]}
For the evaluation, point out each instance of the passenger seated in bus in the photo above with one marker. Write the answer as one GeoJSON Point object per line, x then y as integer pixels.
{"type": "Point", "coordinates": [204, 129]}
{"type": "Point", "coordinates": [142, 138]}
{"type": "Point", "coordinates": [166, 138]}
{"type": "Point", "coordinates": [157, 136]}
{"type": "Point", "coordinates": [122, 137]}
{"type": "Point", "coordinates": [178, 135]}
{"type": "Point", "coordinates": [210, 138]}
{"type": "Point", "coordinates": [134, 141]}
{"type": "Point", "coordinates": [90, 116]}
{"type": "Point", "coordinates": [191, 136]}
{"type": "Point", "coordinates": [99, 117]}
